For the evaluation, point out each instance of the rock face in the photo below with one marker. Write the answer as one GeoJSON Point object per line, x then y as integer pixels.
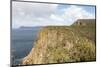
{"type": "Point", "coordinates": [57, 44]}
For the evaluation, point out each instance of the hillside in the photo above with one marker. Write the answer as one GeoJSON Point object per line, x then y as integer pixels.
{"type": "Point", "coordinates": [59, 44]}
{"type": "Point", "coordinates": [85, 22]}
{"type": "Point", "coordinates": [86, 27]}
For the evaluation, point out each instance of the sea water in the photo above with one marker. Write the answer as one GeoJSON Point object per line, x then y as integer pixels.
{"type": "Point", "coordinates": [22, 41]}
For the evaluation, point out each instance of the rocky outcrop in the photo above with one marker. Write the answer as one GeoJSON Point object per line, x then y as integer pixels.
{"type": "Point", "coordinates": [84, 22]}
{"type": "Point", "coordinates": [60, 44]}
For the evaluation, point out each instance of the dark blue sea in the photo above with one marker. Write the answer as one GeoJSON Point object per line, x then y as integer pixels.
{"type": "Point", "coordinates": [22, 41]}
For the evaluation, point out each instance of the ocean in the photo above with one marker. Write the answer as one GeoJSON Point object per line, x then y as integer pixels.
{"type": "Point", "coordinates": [22, 41]}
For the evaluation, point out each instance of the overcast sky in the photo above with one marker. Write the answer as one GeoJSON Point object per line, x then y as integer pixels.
{"type": "Point", "coordinates": [42, 14]}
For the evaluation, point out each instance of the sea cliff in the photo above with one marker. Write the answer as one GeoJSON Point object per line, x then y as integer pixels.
{"type": "Point", "coordinates": [60, 44]}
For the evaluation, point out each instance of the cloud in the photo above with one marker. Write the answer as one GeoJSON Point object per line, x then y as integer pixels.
{"type": "Point", "coordinates": [40, 14]}
{"type": "Point", "coordinates": [25, 13]}
{"type": "Point", "coordinates": [78, 12]}
{"type": "Point", "coordinates": [71, 14]}
{"type": "Point", "coordinates": [33, 9]}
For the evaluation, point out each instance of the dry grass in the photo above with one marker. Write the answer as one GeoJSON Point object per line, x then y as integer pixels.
{"type": "Point", "coordinates": [59, 44]}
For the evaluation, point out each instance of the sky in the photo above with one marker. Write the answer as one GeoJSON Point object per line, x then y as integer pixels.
{"type": "Point", "coordinates": [44, 14]}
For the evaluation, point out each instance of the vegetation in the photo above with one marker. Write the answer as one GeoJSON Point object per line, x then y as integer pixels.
{"type": "Point", "coordinates": [59, 44]}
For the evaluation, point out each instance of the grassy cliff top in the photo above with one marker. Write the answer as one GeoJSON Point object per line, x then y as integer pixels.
{"type": "Point", "coordinates": [59, 44]}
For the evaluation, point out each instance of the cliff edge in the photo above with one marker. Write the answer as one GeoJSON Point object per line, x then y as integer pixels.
{"type": "Point", "coordinates": [60, 44]}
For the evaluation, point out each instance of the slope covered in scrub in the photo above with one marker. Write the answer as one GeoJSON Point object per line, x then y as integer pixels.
{"type": "Point", "coordinates": [59, 44]}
